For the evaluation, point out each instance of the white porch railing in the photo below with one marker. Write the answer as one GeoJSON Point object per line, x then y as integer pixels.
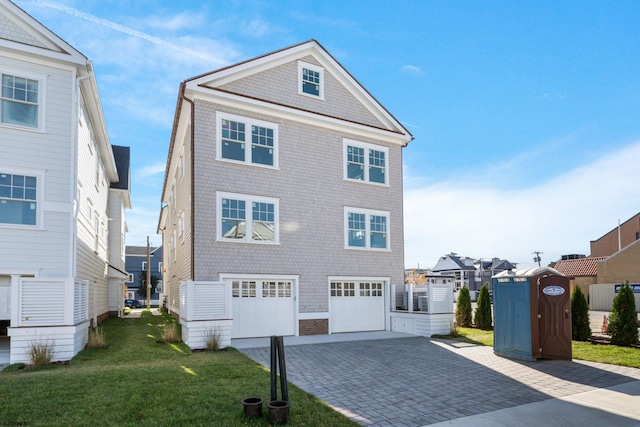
{"type": "Point", "coordinates": [422, 310]}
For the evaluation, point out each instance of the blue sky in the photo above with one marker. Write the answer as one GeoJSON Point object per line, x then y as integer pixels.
{"type": "Point", "coordinates": [526, 115]}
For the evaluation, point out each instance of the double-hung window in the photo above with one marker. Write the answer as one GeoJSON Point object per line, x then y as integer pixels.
{"type": "Point", "coordinates": [366, 229]}
{"type": "Point", "coordinates": [19, 198]}
{"type": "Point", "coordinates": [365, 162]}
{"type": "Point", "coordinates": [20, 101]}
{"type": "Point", "coordinates": [310, 80]}
{"type": "Point", "coordinates": [246, 140]}
{"type": "Point", "coordinates": [248, 219]}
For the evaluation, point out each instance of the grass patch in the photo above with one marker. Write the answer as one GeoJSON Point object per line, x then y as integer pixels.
{"type": "Point", "coordinates": [470, 335]}
{"type": "Point", "coordinates": [138, 382]}
{"type": "Point", "coordinates": [611, 354]}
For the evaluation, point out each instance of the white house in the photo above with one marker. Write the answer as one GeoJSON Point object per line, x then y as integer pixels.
{"type": "Point", "coordinates": [283, 187]}
{"type": "Point", "coordinates": [63, 193]}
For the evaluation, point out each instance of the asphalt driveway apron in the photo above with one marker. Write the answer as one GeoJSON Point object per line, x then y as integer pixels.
{"type": "Point", "coordinates": [417, 381]}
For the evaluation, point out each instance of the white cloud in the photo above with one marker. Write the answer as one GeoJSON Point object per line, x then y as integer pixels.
{"type": "Point", "coordinates": [180, 21]}
{"type": "Point", "coordinates": [151, 170]}
{"type": "Point", "coordinates": [413, 70]}
{"type": "Point", "coordinates": [558, 216]}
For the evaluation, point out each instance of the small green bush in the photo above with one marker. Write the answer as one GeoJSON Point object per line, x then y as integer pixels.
{"type": "Point", "coordinates": [463, 308]}
{"type": "Point", "coordinates": [623, 322]}
{"type": "Point", "coordinates": [580, 327]}
{"type": "Point", "coordinates": [482, 318]}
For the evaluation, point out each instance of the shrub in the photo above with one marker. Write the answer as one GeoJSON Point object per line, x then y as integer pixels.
{"type": "Point", "coordinates": [41, 353]}
{"type": "Point", "coordinates": [170, 333]}
{"type": "Point", "coordinates": [212, 339]}
{"type": "Point", "coordinates": [96, 339]}
{"type": "Point", "coordinates": [463, 308]}
{"type": "Point", "coordinates": [580, 327]}
{"type": "Point", "coordinates": [623, 322]}
{"type": "Point", "coordinates": [482, 318]}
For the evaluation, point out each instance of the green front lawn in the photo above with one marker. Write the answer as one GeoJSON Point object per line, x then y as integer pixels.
{"type": "Point", "coordinates": [611, 354]}
{"type": "Point", "coordinates": [138, 381]}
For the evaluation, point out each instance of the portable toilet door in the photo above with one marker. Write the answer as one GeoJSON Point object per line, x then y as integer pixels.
{"type": "Point", "coordinates": [554, 317]}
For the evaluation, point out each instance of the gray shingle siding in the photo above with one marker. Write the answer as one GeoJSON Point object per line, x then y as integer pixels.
{"type": "Point", "coordinates": [280, 85]}
{"type": "Point", "coordinates": [312, 194]}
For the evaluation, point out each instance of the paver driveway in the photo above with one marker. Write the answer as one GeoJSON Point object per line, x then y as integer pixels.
{"type": "Point", "coordinates": [417, 381]}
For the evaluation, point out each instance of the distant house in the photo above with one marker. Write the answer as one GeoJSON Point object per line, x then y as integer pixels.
{"type": "Point", "coordinates": [136, 266]}
{"type": "Point", "coordinates": [63, 193]}
{"type": "Point", "coordinates": [485, 270]}
{"type": "Point", "coordinates": [462, 268]}
{"type": "Point", "coordinates": [283, 183]}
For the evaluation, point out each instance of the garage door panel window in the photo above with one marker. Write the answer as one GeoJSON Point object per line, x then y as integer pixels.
{"type": "Point", "coordinates": [243, 289]}
{"type": "Point", "coordinates": [371, 289]}
{"type": "Point", "coordinates": [343, 289]}
{"type": "Point", "coordinates": [366, 229]}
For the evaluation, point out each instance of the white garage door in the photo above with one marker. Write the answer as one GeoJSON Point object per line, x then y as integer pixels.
{"type": "Point", "coordinates": [262, 308]}
{"type": "Point", "coordinates": [357, 306]}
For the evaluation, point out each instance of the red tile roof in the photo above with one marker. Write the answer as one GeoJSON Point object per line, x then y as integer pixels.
{"type": "Point", "coordinates": [579, 267]}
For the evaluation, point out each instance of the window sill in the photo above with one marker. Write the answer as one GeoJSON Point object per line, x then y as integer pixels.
{"type": "Point", "coordinates": [308, 95]}
{"type": "Point", "coordinates": [360, 181]}
{"type": "Point", "coordinates": [354, 248]}
{"type": "Point", "coordinates": [237, 162]}
{"type": "Point", "coordinates": [257, 242]}
{"type": "Point", "coordinates": [23, 128]}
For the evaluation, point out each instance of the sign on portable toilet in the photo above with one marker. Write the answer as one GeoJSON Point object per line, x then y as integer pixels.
{"type": "Point", "coordinates": [532, 314]}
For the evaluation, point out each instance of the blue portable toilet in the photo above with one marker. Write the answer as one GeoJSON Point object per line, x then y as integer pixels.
{"type": "Point", "coordinates": [532, 314]}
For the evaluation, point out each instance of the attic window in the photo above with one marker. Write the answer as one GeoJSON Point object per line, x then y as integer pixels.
{"type": "Point", "coordinates": [310, 80]}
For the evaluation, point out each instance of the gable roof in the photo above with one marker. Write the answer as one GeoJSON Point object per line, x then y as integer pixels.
{"type": "Point", "coordinates": [452, 262]}
{"type": "Point", "coordinates": [581, 267]}
{"type": "Point", "coordinates": [140, 250]}
{"type": "Point", "coordinates": [213, 81]}
{"type": "Point", "coordinates": [25, 34]}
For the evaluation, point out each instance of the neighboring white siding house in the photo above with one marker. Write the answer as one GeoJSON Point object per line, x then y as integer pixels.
{"type": "Point", "coordinates": [56, 172]}
{"type": "Point", "coordinates": [284, 184]}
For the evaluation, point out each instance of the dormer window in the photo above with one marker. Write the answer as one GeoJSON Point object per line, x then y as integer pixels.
{"type": "Point", "coordinates": [311, 80]}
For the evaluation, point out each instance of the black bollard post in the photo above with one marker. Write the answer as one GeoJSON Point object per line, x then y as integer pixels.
{"type": "Point", "coordinates": [274, 368]}
{"type": "Point", "coordinates": [283, 371]}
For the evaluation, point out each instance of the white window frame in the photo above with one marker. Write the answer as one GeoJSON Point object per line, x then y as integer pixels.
{"type": "Point", "coordinates": [40, 185]}
{"type": "Point", "coordinates": [130, 279]}
{"type": "Point", "coordinates": [301, 66]}
{"type": "Point", "coordinates": [368, 213]}
{"type": "Point", "coordinates": [144, 265]}
{"type": "Point", "coordinates": [366, 146]}
{"type": "Point", "coordinates": [248, 122]}
{"type": "Point", "coordinates": [249, 200]}
{"type": "Point", "coordinates": [42, 89]}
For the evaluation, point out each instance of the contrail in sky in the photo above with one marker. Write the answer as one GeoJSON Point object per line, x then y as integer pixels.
{"type": "Point", "coordinates": [126, 30]}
